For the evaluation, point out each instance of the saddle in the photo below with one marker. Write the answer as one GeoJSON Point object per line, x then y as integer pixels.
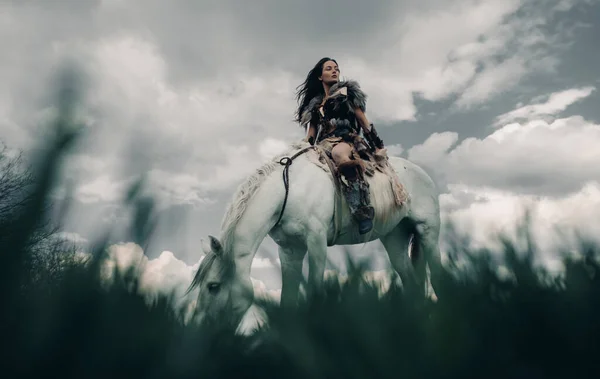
{"type": "Point", "coordinates": [320, 157]}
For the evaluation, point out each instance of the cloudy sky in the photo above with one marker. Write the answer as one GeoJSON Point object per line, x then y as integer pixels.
{"type": "Point", "coordinates": [497, 99]}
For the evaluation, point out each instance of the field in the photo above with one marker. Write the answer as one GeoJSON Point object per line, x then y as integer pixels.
{"type": "Point", "coordinates": [60, 318]}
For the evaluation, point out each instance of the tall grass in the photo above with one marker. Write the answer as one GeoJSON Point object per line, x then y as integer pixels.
{"type": "Point", "coordinates": [75, 324]}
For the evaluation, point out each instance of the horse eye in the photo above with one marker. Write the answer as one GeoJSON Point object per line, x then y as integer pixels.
{"type": "Point", "coordinates": [213, 288]}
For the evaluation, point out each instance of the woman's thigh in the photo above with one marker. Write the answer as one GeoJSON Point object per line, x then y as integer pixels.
{"type": "Point", "coordinates": [341, 152]}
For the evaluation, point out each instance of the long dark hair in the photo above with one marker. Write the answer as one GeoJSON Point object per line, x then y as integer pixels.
{"type": "Point", "coordinates": [311, 87]}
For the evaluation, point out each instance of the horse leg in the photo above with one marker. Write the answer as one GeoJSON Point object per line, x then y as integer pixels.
{"type": "Point", "coordinates": [428, 253]}
{"type": "Point", "coordinates": [396, 244]}
{"type": "Point", "coordinates": [291, 274]}
{"type": "Point", "coordinates": [317, 259]}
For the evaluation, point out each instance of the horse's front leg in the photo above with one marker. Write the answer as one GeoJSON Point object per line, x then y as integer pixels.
{"type": "Point", "coordinates": [317, 259]}
{"type": "Point", "coordinates": [291, 273]}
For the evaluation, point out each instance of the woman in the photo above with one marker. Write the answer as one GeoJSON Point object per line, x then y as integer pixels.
{"type": "Point", "coordinates": [333, 114]}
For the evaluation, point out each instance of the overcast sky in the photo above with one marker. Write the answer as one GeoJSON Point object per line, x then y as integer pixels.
{"type": "Point", "coordinates": [497, 99]}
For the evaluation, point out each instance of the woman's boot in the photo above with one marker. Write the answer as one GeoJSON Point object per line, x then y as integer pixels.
{"type": "Point", "coordinates": [356, 191]}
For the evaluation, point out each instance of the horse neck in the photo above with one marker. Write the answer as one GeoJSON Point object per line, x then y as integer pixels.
{"type": "Point", "coordinates": [257, 220]}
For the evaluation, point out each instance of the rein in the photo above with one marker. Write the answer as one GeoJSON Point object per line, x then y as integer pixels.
{"type": "Point", "coordinates": [287, 162]}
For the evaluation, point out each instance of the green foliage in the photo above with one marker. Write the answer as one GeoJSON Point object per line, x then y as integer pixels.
{"type": "Point", "coordinates": [75, 324]}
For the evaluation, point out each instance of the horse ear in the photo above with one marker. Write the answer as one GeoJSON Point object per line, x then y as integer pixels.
{"type": "Point", "coordinates": [205, 246]}
{"type": "Point", "coordinates": [215, 245]}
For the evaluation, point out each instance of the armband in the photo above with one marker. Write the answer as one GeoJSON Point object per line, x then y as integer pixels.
{"type": "Point", "coordinates": [373, 138]}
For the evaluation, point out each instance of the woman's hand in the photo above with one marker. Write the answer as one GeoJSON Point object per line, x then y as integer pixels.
{"type": "Point", "coordinates": [380, 154]}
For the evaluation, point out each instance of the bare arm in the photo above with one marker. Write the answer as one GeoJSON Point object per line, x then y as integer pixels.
{"type": "Point", "coordinates": [362, 120]}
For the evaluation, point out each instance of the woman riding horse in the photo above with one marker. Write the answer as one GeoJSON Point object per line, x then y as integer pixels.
{"type": "Point", "coordinates": [333, 115]}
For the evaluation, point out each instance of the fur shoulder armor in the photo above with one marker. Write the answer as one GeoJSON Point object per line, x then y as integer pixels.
{"type": "Point", "coordinates": [356, 97]}
{"type": "Point", "coordinates": [310, 108]}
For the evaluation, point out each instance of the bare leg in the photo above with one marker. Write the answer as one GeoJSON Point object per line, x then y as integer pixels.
{"type": "Point", "coordinates": [356, 188]}
{"type": "Point", "coordinates": [291, 274]}
{"type": "Point", "coordinates": [341, 153]}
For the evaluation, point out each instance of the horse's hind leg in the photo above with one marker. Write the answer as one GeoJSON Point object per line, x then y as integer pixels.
{"type": "Point", "coordinates": [396, 244]}
{"type": "Point", "coordinates": [428, 253]}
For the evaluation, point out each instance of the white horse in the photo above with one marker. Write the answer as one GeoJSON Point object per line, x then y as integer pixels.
{"type": "Point", "coordinates": [315, 216]}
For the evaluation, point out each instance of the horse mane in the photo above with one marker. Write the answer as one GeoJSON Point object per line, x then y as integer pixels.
{"type": "Point", "coordinates": [245, 193]}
